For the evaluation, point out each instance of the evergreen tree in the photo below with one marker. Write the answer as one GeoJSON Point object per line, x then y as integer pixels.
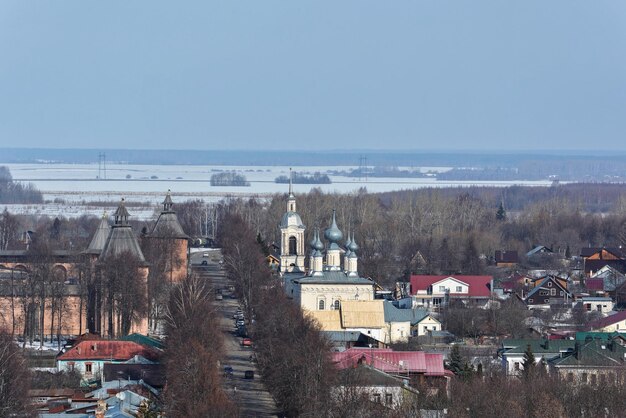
{"type": "Point", "coordinates": [455, 364]}
{"type": "Point", "coordinates": [568, 252]}
{"type": "Point", "coordinates": [529, 361]}
{"type": "Point", "coordinates": [501, 213]}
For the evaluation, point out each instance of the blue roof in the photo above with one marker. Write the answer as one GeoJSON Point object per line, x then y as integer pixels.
{"type": "Point", "coordinates": [393, 314]}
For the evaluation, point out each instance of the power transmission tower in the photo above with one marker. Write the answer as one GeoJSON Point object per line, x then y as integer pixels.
{"type": "Point", "coordinates": [363, 167]}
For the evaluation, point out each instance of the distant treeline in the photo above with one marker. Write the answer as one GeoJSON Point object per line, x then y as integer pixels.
{"type": "Point", "coordinates": [316, 178]}
{"type": "Point", "coordinates": [229, 179]}
{"type": "Point", "coordinates": [385, 171]}
{"type": "Point", "coordinates": [14, 192]}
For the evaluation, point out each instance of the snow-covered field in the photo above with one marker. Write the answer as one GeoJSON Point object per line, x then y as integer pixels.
{"type": "Point", "coordinates": [75, 186]}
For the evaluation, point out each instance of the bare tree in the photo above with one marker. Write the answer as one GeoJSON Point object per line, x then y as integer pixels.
{"type": "Point", "coordinates": [192, 350]}
{"type": "Point", "coordinates": [14, 380]}
{"type": "Point", "coordinates": [124, 292]}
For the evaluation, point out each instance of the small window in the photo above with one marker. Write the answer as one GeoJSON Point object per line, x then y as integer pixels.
{"type": "Point", "coordinates": [593, 379]}
{"type": "Point", "coordinates": [553, 292]}
{"type": "Point", "coordinates": [459, 289]}
{"type": "Point", "coordinates": [388, 398]}
{"type": "Point", "coordinates": [583, 378]}
{"type": "Point", "coordinates": [88, 369]}
{"type": "Point", "coordinates": [425, 328]}
{"type": "Point", "coordinates": [337, 305]}
{"type": "Point", "coordinates": [376, 397]}
{"type": "Point", "coordinates": [570, 377]}
{"type": "Point", "coordinates": [516, 366]}
{"type": "Point", "coordinates": [321, 305]}
{"type": "Point", "coordinates": [549, 284]}
{"type": "Point", "coordinates": [442, 288]}
{"type": "Point", "coordinates": [561, 293]}
{"type": "Point", "coordinates": [530, 301]}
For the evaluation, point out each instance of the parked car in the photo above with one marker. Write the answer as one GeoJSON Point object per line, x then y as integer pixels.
{"type": "Point", "coordinates": [228, 371]}
{"type": "Point", "coordinates": [246, 342]}
{"type": "Point", "coordinates": [242, 332]}
{"type": "Point", "coordinates": [248, 374]}
{"type": "Point", "coordinates": [240, 322]}
{"type": "Point", "coordinates": [219, 297]}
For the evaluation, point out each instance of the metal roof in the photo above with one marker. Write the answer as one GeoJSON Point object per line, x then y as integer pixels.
{"type": "Point", "coordinates": [168, 226]}
{"type": "Point", "coordinates": [122, 240]}
{"type": "Point", "coordinates": [393, 314]}
{"type": "Point", "coordinates": [100, 237]}
{"type": "Point", "coordinates": [333, 277]}
{"type": "Point", "coordinates": [391, 361]}
{"type": "Point", "coordinates": [362, 314]}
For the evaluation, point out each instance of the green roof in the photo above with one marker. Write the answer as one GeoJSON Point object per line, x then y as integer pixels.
{"type": "Point", "coordinates": [595, 353]}
{"type": "Point", "coordinates": [537, 346]}
{"type": "Point", "coordinates": [144, 340]}
{"type": "Point", "coordinates": [604, 336]}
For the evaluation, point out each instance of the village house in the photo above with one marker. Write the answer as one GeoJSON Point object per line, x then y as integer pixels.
{"type": "Point", "coordinates": [380, 387]}
{"type": "Point", "coordinates": [435, 291]}
{"type": "Point", "coordinates": [421, 369]}
{"type": "Point", "coordinates": [546, 291]}
{"type": "Point", "coordinates": [611, 323]}
{"type": "Point", "coordinates": [603, 305]}
{"type": "Point", "coordinates": [595, 258]}
{"type": "Point", "coordinates": [512, 352]}
{"type": "Point", "coordinates": [88, 357]}
{"type": "Point", "coordinates": [506, 258]}
{"type": "Point", "coordinates": [593, 361]}
{"type": "Point", "coordinates": [605, 281]}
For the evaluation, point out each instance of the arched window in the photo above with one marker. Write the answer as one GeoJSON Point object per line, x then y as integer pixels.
{"type": "Point", "coordinates": [337, 304]}
{"type": "Point", "coordinates": [321, 304]}
{"type": "Point", "coordinates": [292, 246]}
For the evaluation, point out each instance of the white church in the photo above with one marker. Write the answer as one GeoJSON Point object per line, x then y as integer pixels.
{"type": "Point", "coordinates": [332, 276]}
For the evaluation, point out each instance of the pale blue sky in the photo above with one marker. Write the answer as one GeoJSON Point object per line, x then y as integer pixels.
{"type": "Point", "coordinates": [415, 74]}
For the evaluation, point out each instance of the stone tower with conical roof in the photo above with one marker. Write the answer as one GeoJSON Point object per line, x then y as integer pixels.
{"type": "Point", "coordinates": [168, 237]}
{"type": "Point", "coordinates": [96, 245]}
{"type": "Point", "coordinates": [292, 229]}
{"type": "Point", "coordinates": [120, 245]}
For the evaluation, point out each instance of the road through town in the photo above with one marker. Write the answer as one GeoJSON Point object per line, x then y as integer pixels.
{"type": "Point", "coordinates": [250, 395]}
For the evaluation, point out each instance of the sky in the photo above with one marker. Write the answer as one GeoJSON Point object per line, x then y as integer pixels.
{"type": "Point", "coordinates": [314, 75]}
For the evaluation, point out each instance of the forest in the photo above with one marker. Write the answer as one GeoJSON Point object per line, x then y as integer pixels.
{"type": "Point", "coordinates": [16, 192]}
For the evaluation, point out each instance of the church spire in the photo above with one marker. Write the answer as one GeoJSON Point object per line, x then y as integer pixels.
{"type": "Point", "coordinates": [291, 201]}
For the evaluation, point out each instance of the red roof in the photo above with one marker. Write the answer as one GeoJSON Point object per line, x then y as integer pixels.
{"type": "Point", "coordinates": [594, 284]}
{"type": "Point", "coordinates": [479, 286]}
{"type": "Point", "coordinates": [390, 361]}
{"type": "Point", "coordinates": [609, 320]}
{"type": "Point", "coordinates": [108, 350]}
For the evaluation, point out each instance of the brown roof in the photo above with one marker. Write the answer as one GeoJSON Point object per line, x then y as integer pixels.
{"type": "Point", "coordinates": [506, 256]}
